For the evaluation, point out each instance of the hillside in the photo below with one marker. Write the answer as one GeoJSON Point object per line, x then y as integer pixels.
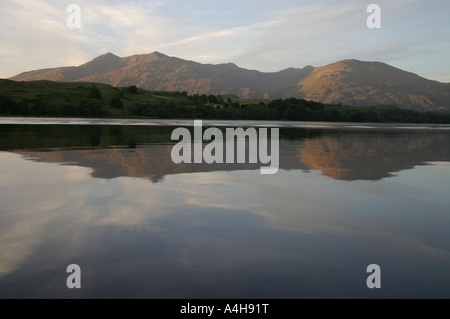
{"type": "Point", "coordinates": [157, 71]}
{"type": "Point", "coordinates": [84, 99]}
{"type": "Point", "coordinates": [75, 99]}
{"type": "Point", "coordinates": [349, 82]}
{"type": "Point", "coordinates": [353, 82]}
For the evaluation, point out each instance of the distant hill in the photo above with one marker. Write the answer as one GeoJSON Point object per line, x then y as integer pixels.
{"type": "Point", "coordinates": [350, 82]}
{"type": "Point", "coordinates": [353, 82]}
{"type": "Point", "coordinates": [157, 71]}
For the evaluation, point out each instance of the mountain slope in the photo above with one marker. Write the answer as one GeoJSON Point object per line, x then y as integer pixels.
{"type": "Point", "coordinates": [354, 82]}
{"type": "Point", "coordinates": [102, 64]}
{"type": "Point", "coordinates": [157, 71]}
{"type": "Point", "coordinates": [350, 82]}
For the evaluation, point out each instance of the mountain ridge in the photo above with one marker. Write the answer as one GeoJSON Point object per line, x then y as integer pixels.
{"type": "Point", "coordinates": [350, 81]}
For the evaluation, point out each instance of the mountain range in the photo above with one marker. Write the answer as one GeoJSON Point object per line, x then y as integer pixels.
{"type": "Point", "coordinates": [350, 82]}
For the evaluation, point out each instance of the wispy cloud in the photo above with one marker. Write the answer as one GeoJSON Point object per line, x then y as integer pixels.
{"type": "Point", "coordinates": [252, 34]}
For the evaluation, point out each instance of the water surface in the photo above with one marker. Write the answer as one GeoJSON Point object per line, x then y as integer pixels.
{"type": "Point", "coordinates": [104, 194]}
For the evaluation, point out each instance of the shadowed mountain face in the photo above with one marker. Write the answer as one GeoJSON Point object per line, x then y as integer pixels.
{"type": "Point", "coordinates": [145, 152]}
{"type": "Point", "coordinates": [350, 82]}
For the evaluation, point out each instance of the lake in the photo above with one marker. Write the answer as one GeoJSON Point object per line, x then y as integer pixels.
{"type": "Point", "coordinates": [105, 195]}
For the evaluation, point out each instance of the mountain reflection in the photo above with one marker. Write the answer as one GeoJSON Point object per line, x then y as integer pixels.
{"type": "Point", "coordinates": [372, 156]}
{"type": "Point", "coordinates": [141, 151]}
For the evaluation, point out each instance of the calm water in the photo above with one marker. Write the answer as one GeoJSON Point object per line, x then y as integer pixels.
{"type": "Point", "coordinates": [104, 194]}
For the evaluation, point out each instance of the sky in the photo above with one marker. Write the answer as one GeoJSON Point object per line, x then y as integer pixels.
{"type": "Point", "coordinates": [255, 34]}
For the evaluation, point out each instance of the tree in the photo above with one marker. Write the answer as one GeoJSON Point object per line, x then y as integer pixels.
{"type": "Point", "coordinates": [95, 93]}
{"type": "Point", "coordinates": [116, 103]}
{"type": "Point", "coordinates": [203, 98]}
{"type": "Point", "coordinates": [120, 94]}
{"type": "Point", "coordinates": [6, 105]}
{"type": "Point", "coordinates": [212, 99]}
{"type": "Point", "coordinates": [40, 108]}
{"type": "Point", "coordinates": [132, 89]}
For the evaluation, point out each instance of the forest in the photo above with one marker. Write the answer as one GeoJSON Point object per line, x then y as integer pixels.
{"type": "Point", "coordinates": [62, 99]}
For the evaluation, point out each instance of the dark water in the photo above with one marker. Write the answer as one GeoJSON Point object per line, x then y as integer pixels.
{"type": "Point", "coordinates": [107, 196]}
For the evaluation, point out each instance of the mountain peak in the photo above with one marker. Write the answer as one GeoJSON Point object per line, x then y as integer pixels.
{"type": "Point", "coordinates": [158, 54]}
{"type": "Point", "coordinates": [351, 61]}
{"type": "Point", "coordinates": [107, 56]}
{"type": "Point", "coordinates": [144, 58]}
{"type": "Point", "coordinates": [345, 62]}
{"type": "Point", "coordinates": [354, 82]}
{"type": "Point", "coordinates": [105, 61]}
{"type": "Point", "coordinates": [350, 81]}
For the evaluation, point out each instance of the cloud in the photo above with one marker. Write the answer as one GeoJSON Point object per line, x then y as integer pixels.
{"type": "Point", "coordinates": [258, 35]}
{"type": "Point", "coordinates": [63, 205]}
{"type": "Point", "coordinates": [39, 199]}
{"type": "Point", "coordinates": [36, 36]}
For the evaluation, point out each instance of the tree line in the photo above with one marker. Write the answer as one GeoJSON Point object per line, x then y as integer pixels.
{"type": "Point", "coordinates": [291, 109]}
{"type": "Point", "coordinates": [181, 105]}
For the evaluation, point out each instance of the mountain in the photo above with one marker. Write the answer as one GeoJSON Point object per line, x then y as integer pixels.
{"type": "Point", "coordinates": [350, 82]}
{"type": "Point", "coordinates": [353, 82]}
{"type": "Point", "coordinates": [157, 71]}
